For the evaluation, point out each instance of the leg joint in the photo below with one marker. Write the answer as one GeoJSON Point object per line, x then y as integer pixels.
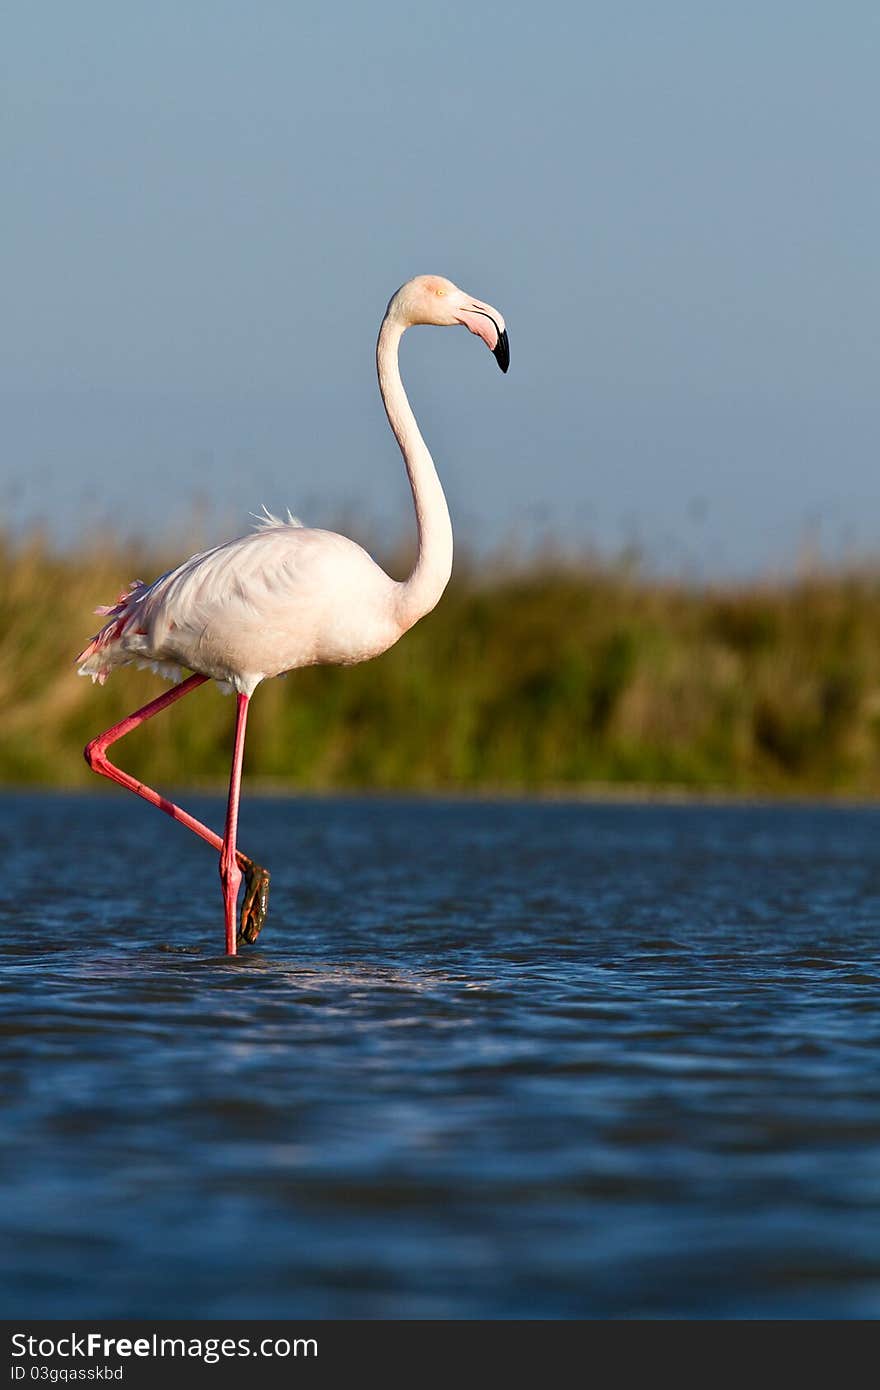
{"type": "Point", "coordinates": [229, 870]}
{"type": "Point", "coordinates": [94, 754]}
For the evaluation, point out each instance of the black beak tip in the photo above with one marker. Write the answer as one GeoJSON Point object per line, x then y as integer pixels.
{"type": "Point", "coordinates": [502, 351]}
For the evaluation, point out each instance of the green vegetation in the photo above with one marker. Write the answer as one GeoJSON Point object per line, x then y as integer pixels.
{"type": "Point", "coordinates": [556, 678]}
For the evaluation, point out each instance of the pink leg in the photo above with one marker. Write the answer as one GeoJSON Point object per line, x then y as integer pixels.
{"type": "Point", "coordinates": [256, 899]}
{"type": "Point", "coordinates": [95, 756]}
{"type": "Point", "coordinates": [230, 873]}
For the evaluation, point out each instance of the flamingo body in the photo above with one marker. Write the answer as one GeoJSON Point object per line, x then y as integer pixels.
{"type": "Point", "coordinates": [282, 597]}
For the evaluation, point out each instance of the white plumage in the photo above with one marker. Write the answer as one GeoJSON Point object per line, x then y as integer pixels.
{"type": "Point", "coordinates": [281, 597]}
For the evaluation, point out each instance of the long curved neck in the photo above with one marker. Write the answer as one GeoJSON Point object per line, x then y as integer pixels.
{"type": "Point", "coordinates": [418, 594]}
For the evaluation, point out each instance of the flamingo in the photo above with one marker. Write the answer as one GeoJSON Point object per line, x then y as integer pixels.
{"type": "Point", "coordinates": [285, 596]}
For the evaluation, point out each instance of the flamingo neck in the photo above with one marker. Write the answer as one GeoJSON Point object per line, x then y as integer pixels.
{"type": "Point", "coordinates": [418, 594]}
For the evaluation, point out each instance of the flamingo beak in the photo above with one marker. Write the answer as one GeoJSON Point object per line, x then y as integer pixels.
{"type": "Point", "coordinates": [501, 351]}
{"type": "Point", "coordinates": [488, 324]}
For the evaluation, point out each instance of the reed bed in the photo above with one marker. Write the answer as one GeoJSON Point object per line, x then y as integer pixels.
{"type": "Point", "coordinates": [559, 677]}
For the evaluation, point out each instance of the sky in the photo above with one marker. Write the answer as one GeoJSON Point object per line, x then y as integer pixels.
{"type": "Point", "coordinates": [676, 206]}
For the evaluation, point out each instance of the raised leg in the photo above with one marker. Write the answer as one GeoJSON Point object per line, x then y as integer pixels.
{"type": "Point", "coordinates": [95, 754]}
{"type": "Point", "coordinates": [256, 899]}
{"type": "Point", "coordinates": [230, 873]}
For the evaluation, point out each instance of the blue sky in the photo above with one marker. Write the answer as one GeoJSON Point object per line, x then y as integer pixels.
{"type": "Point", "coordinates": [676, 206]}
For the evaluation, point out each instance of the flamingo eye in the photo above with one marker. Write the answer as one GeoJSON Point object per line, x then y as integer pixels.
{"type": "Point", "coordinates": [439, 290]}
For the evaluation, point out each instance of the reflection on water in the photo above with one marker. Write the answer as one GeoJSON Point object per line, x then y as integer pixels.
{"type": "Point", "coordinates": [498, 1060]}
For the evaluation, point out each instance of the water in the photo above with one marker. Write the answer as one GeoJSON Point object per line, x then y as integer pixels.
{"type": "Point", "coordinates": [495, 1060]}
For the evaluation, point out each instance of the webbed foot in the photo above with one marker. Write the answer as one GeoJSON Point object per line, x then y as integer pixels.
{"type": "Point", "coordinates": [256, 902]}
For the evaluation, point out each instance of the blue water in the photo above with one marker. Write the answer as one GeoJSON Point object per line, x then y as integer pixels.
{"type": "Point", "coordinates": [496, 1060]}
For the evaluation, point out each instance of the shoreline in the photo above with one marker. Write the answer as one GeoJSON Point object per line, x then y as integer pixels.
{"type": "Point", "coordinates": [594, 793]}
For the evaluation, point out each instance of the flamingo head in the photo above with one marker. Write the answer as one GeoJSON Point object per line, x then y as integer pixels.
{"type": "Point", "coordinates": [432, 299]}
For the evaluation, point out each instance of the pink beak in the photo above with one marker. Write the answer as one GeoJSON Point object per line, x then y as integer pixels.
{"type": "Point", "coordinates": [488, 324]}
